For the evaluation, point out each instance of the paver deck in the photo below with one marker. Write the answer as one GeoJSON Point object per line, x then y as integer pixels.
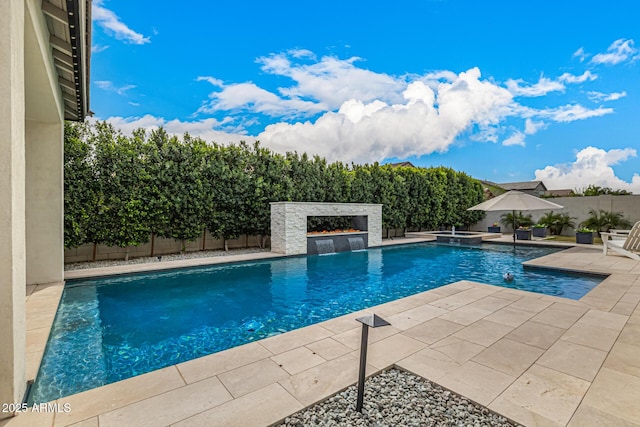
{"type": "Point", "coordinates": [537, 359]}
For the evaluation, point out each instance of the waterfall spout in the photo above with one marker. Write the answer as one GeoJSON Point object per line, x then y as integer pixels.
{"type": "Point", "coordinates": [356, 243]}
{"type": "Point", "coordinates": [325, 246]}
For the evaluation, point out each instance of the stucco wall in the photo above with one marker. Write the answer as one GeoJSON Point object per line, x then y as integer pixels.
{"type": "Point", "coordinates": [289, 222]}
{"type": "Point", "coordinates": [44, 202]}
{"type": "Point", "coordinates": [578, 207]}
{"type": "Point", "coordinates": [31, 198]}
{"type": "Point", "coordinates": [12, 202]}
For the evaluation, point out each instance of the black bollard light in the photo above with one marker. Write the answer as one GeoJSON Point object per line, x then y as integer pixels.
{"type": "Point", "coordinates": [373, 321]}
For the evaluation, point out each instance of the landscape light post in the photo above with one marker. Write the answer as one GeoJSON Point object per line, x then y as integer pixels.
{"type": "Point", "coordinates": [373, 321]}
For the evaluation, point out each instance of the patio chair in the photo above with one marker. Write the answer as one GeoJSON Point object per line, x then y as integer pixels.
{"type": "Point", "coordinates": [623, 243]}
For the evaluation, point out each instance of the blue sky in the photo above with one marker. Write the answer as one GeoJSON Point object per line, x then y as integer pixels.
{"type": "Point", "coordinates": [500, 90]}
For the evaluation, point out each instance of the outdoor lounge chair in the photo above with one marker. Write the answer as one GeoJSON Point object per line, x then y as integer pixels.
{"type": "Point", "coordinates": [623, 243]}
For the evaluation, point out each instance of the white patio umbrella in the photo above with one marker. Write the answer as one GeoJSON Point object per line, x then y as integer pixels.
{"type": "Point", "coordinates": [515, 201]}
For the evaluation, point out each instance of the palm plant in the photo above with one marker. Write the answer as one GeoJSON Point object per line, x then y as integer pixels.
{"type": "Point", "coordinates": [507, 219]}
{"type": "Point", "coordinates": [597, 221]}
{"type": "Point", "coordinates": [564, 220]}
{"type": "Point", "coordinates": [617, 220]}
{"type": "Point", "coordinates": [604, 221]}
{"type": "Point", "coordinates": [557, 222]}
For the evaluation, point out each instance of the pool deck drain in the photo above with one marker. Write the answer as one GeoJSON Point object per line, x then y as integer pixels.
{"type": "Point", "coordinates": [537, 359]}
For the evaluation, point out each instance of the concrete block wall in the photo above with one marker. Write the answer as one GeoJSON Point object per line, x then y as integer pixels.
{"type": "Point", "coordinates": [289, 222]}
{"type": "Point", "coordinates": [578, 207]}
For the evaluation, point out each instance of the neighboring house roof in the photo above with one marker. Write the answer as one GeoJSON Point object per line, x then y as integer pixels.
{"type": "Point", "coordinates": [559, 193]}
{"type": "Point", "coordinates": [405, 164]}
{"type": "Point", "coordinates": [70, 41]}
{"type": "Point", "coordinates": [525, 185]}
{"type": "Point", "coordinates": [489, 183]}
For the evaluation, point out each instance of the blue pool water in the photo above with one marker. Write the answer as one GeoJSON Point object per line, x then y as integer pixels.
{"type": "Point", "coordinates": [114, 328]}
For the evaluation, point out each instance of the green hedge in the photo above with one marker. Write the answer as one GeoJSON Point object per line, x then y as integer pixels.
{"type": "Point", "coordinates": [121, 190]}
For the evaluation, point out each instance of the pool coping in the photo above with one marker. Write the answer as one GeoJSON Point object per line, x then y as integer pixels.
{"type": "Point", "coordinates": [116, 270]}
{"type": "Point", "coordinates": [613, 302]}
{"type": "Point", "coordinates": [197, 262]}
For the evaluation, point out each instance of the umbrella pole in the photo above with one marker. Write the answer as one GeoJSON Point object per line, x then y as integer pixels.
{"type": "Point", "coordinates": [513, 215]}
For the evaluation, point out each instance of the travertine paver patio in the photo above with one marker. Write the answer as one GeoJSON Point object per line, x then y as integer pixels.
{"type": "Point", "coordinates": [537, 359]}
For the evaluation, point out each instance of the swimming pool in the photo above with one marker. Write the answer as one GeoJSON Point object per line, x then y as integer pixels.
{"type": "Point", "coordinates": [114, 328]}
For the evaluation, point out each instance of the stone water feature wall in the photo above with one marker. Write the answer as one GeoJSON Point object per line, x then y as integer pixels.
{"type": "Point", "coordinates": [289, 222]}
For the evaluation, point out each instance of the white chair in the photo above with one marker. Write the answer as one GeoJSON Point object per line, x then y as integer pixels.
{"type": "Point", "coordinates": [627, 244]}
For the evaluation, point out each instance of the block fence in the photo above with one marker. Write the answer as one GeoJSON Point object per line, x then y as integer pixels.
{"type": "Point", "coordinates": [161, 247]}
{"type": "Point", "coordinates": [577, 207]}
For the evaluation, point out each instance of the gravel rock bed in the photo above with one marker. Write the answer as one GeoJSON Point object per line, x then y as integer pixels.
{"type": "Point", "coordinates": [397, 398]}
{"type": "Point", "coordinates": [170, 257]}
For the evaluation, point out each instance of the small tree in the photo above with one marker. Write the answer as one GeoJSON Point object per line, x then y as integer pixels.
{"type": "Point", "coordinates": [80, 189]}
{"type": "Point", "coordinates": [337, 182]}
{"type": "Point", "coordinates": [419, 195]}
{"type": "Point", "coordinates": [472, 195]}
{"type": "Point", "coordinates": [178, 188]}
{"type": "Point", "coordinates": [266, 172]}
{"type": "Point", "coordinates": [121, 177]}
{"type": "Point", "coordinates": [227, 187]}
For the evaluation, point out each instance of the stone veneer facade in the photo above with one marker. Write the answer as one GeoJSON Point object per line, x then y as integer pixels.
{"type": "Point", "coordinates": [289, 222]}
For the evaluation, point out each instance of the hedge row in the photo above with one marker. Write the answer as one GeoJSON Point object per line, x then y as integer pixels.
{"type": "Point", "coordinates": [120, 190]}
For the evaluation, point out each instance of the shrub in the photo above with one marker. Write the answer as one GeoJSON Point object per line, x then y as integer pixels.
{"type": "Point", "coordinates": [584, 230]}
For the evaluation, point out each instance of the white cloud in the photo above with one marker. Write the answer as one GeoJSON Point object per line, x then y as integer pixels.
{"type": "Point", "coordinates": [531, 127]}
{"type": "Point", "coordinates": [212, 80]}
{"type": "Point", "coordinates": [426, 121]}
{"type": "Point", "coordinates": [363, 116]}
{"type": "Point", "coordinates": [207, 129]}
{"type": "Point", "coordinates": [615, 96]}
{"type": "Point", "coordinates": [580, 54]}
{"type": "Point", "coordinates": [592, 166]}
{"type": "Point", "coordinates": [332, 81]}
{"type": "Point", "coordinates": [317, 87]}
{"type": "Point", "coordinates": [249, 97]}
{"type": "Point", "coordinates": [570, 78]}
{"type": "Point", "coordinates": [515, 139]}
{"type": "Point", "coordinates": [302, 53]}
{"type": "Point", "coordinates": [546, 85]}
{"type": "Point", "coordinates": [109, 86]}
{"type": "Point", "coordinates": [113, 25]}
{"type": "Point", "coordinates": [619, 51]}
{"type": "Point", "coordinates": [599, 96]}
{"type": "Point", "coordinates": [96, 48]}
{"type": "Point", "coordinates": [570, 113]}
{"type": "Point", "coordinates": [541, 88]}
{"type": "Point", "coordinates": [433, 78]}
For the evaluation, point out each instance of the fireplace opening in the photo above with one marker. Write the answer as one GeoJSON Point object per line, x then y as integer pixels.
{"type": "Point", "coordinates": [330, 234]}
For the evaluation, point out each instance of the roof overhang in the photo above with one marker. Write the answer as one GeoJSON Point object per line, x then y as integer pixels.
{"type": "Point", "coordinates": [69, 24]}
